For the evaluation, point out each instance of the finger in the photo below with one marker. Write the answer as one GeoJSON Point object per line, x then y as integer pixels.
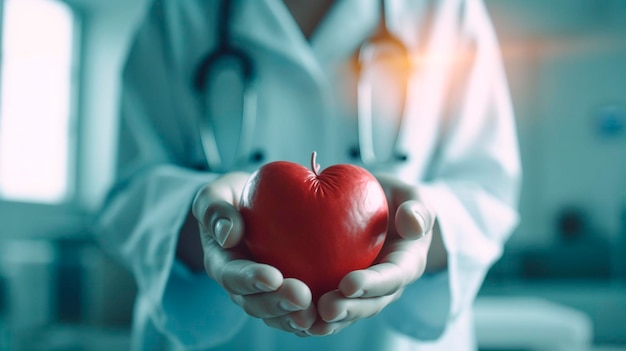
{"type": "Point", "coordinates": [322, 328]}
{"type": "Point", "coordinates": [283, 323]}
{"type": "Point", "coordinates": [396, 190]}
{"type": "Point", "coordinates": [296, 322]}
{"type": "Point", "coordinates": [244, 277]}
{"type": "Point", "coordinates": [292, 296]}
{"type": "Point", "coordinates": [304, 319]}
{"type": "Point", "coordinates": [238, 275]}
{"type": "Point", "coordinates": [401, 263]}
{"type": "Point", "coordinates": [379, 280]}
{"type": "Point", "coordinates": [413, 220]}
{"type": "Point", "coordinates": [336, 309]}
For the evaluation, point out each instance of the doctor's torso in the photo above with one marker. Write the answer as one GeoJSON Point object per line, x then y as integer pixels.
{"type": "Point", "coordinates": [306, 90]}
{"type": "Point", "coordinates": [307, 101]}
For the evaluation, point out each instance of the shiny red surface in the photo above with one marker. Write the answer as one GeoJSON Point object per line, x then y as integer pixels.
{"type": "Point", "coordinates": [316, 228]}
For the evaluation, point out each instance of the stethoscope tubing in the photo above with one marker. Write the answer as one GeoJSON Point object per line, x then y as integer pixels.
{"type": "Point", "coordinates": [364, 151]}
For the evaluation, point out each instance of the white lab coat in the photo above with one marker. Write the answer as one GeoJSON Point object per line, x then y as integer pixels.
{"type": "Point", "coordinates": [459, 135]}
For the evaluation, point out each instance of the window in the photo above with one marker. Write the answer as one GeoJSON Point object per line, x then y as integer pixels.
{"type": "Point", "coordinates": [37, 83]}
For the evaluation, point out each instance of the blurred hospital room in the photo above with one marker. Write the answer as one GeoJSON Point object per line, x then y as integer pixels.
{"type": "Point", "coordinates": [560, 283]}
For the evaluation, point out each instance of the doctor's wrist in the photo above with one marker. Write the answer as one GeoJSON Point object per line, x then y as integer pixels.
{"type": "Point", "coordinates": [189, 248]}
{"type": "Point", "coordinates": [437, 254]}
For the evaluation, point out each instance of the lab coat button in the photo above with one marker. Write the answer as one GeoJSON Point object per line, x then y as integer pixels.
{"type": "Point", "coordinates": [401, 157]}
{"type": "Point", "coordinates": [354, 152]}
{"type": "Point", "coordinates": [257, 156]}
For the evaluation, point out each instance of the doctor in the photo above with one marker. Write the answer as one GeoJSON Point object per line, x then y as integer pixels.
{"type": "Point", "coordinates": [435, 126]}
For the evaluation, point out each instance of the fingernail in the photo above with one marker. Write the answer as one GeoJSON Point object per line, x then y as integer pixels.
{"type": "Point", "coordinates": [340, 317]}
{"type": "Point", "coordinates": [293, 325]}
{"type": "Point", "coordinates": [262, 287]}
{"type": "Point", "coordinates": [222, 229]}
{"type": "Point", "coordinates": [289, 306]}
{"type": "Point", "coordinates": [331, 332]}
{"type": "Point", "coordinates": [358, 293]}
{"type": "Point", "coordinates": [421, 221]}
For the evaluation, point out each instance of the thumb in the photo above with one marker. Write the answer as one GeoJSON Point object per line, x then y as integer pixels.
{"type": "Point", "coordinates": [413, 220]}
{"type": "Point", "coordinates": [216, 213]}
{"type": "Point", "coordinates": [222, 222]}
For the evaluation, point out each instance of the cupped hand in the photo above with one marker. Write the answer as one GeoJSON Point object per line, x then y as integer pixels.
{"type": "Point", "coordinates": [364, 293]}
{"type": "Point", "coordinates": [259, 289]}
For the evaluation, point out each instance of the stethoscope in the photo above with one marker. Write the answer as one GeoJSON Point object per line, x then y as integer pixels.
{"type": "Point", "coordinates": [381, 44]}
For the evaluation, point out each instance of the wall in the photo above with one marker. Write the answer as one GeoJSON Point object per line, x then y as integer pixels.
{"type": "Point", "coordinates": [105, 32]}
{"type": "Point", "coordinates": [566, 60]}
{"type": "Point", "coordinates": [109, 28]}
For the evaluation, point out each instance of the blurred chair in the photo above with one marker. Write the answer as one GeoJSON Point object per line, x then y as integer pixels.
{"type": "Point", "coordinates": [528, 323]}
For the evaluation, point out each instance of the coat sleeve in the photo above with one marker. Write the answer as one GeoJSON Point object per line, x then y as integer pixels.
{"type": "Point", "coordinates": [151, 198]}
{"type": "Point", "coordinates": [473, 186]}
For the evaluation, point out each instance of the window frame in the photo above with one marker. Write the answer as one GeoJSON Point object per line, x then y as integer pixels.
{"type": "Point", "coordinates": [21, 219]}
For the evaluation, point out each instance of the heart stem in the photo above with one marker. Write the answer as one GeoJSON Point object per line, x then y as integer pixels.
{"type": "Point", "coordinates": [315, 167]}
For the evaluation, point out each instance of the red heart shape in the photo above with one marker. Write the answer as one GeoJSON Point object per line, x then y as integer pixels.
{"type": "Point", "coordinates": [315, 227]}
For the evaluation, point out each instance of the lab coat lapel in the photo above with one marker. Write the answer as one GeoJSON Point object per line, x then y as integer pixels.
{"type": "Point", "coordinates": [269, 25]}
